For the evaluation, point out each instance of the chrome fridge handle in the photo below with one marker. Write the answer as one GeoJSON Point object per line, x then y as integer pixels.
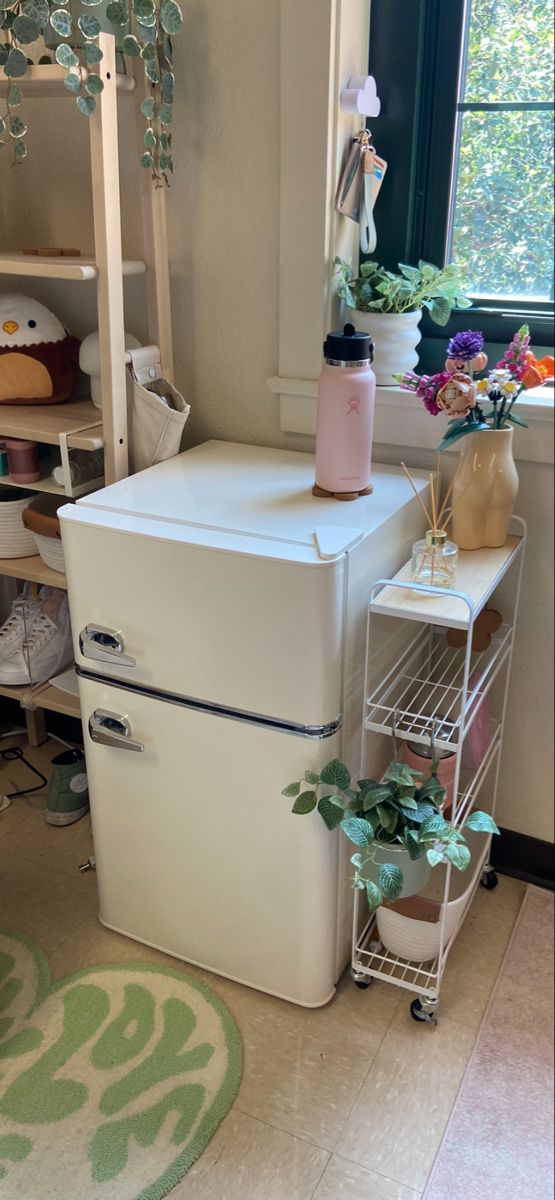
{"type": "Point", "coordinates": [104, 645]}
{"type": "Point", "coordinates": [111, 729]}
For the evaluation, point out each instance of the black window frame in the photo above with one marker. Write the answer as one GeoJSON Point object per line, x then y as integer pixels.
{"type": "Point", "coordinates": [415, 56]}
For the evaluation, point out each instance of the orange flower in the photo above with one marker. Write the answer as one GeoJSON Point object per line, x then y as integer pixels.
{"type": "Point", "coordinates": [537, 371]}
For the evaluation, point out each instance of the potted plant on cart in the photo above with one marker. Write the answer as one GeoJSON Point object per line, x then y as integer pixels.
{"type": "Point", "coordinates": [389, 304]}
{"type": "Point", "coordinates": [396, 825]}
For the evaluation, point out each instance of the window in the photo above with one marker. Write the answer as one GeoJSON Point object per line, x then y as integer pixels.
{"type": "Point", "coordinates": [502, 200]}
{"type": "Point", "coordinates": [467, 129]}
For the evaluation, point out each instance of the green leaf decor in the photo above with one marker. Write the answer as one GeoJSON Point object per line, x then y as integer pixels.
{"type": "Point", "coordinates": [403, 810]}
{"type": "Point", "coordinates": [143, 29]}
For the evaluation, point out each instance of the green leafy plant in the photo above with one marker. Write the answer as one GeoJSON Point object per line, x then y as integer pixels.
{"type": "Point", "coordinates": [403, 809]}
{"type": "Point", "coordinates": [149, 26]}
{"type": "Point", "coordinates": [439, 289]}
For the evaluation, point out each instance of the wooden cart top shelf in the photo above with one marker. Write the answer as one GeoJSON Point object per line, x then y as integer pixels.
{"type": "Point", "coordinates": [37, 266]}
{"type": "Point", "coordinates": [48, 81]}
{"type": "Point", "coordinates": [478, 574]}
{"type": "Point", "coordinates": [79, 419]}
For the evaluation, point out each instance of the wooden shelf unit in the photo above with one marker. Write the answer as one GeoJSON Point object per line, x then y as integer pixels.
{"type": "Point", "coordinates": [43, 696]}
{"type": "Point", "coordinates": [78, 424]}
{"type": "Point", "coordinates": [80, 420]}
{"type": "Point", "coordinates": [33, 569]}
{"type": "Point", "coordinates": [47, 81]}
{"type": "Point", "coordinates": [36, 266]}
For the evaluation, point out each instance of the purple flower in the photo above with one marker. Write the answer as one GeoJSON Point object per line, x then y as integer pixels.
{"type": "Point", "coordinates": [466, 345]}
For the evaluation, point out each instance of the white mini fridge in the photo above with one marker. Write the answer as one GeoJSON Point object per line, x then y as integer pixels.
{"type": "Point", "coordinates": [219, 619]}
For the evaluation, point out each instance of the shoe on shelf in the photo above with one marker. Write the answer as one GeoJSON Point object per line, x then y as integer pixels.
{"type": "Point", "coordinates": [19, 623]}
{"type": "Point", "coordinates": [47, 647]}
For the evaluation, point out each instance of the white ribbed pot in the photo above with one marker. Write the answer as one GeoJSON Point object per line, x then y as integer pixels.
{"type": "Point", "coordinates": [416, 873]}
{"type": "Point", "coordinates": [395, 337]}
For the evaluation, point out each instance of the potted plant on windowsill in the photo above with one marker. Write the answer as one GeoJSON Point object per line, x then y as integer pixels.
{"type": "Point", "coordinates": [388, 305]}
{"type": "Point", "coordinates": [395, 823]}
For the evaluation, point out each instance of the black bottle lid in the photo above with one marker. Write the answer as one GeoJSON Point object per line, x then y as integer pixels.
{"type": "Point", "coordinates": [349, 345]}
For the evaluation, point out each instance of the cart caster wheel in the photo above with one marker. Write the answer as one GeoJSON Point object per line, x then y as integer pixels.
{"type": "Point", "coordinates": [489, 879]}
{"type": "Point", "coordinates": [419, 1013]}
{"type": "Point", "coordinates": [360, 979]}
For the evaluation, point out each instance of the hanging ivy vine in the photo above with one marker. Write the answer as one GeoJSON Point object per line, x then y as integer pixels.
{"type": "Point", "coordinates": [144, 30]}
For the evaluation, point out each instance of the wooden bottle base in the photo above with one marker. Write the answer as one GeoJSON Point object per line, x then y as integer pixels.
{"type": "Point", "coordinates": [318, 491]}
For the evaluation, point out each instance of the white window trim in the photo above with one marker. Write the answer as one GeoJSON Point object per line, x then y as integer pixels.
{"type": "Point", "coordinates": [323, 42]}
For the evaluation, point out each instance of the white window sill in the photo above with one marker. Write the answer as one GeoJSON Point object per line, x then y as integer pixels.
{"type": "Point", "coordinates": [401, 419]}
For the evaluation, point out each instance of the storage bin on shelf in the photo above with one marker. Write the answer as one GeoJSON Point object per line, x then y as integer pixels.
{"type": "Point", "coordinates": [15, 540]}
{"type": "Point", "coordinates": [40, 518]}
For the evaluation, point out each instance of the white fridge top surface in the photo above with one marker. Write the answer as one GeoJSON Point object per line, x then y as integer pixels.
{"type": "Point", "coordinates": [225, 492]}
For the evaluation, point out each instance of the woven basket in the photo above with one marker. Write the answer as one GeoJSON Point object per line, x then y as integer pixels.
{"type": "Point", "coordinates": [15, 540]}
{"type": "Point", "coordinates": [41, 519]}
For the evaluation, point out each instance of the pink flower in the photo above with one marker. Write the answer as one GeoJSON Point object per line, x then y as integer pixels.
{"type": "Point", "coordinates": [458, 395]}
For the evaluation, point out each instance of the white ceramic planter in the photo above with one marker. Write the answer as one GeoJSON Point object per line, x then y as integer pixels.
{"type": "Point", "coordinates": [415, 873]}
{"type": "Point", "coordinates": [395, 337]}
{"type": "Point", "coordinates": [419, 940]}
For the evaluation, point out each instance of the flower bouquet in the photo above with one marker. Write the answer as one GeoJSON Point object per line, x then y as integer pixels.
{"type": "Point", "coordinates": [455, 391]}
{"type": "Point", "coordinates": [485, 484]}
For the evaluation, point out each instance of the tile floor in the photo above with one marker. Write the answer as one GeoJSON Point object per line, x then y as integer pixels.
{"type": "Point", "coordinates": [348, 1102]}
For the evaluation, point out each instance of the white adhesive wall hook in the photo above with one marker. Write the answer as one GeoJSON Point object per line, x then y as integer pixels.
{"type": "Point", "coordinates": [361, 96]}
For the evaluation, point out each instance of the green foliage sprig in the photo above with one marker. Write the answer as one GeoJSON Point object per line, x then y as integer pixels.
{"type": "Point", "coordinates": [439, 289]}
{"type": "Point", "coordinates": [151, 26]}
{"type": "Point", "coordinates": [403, 808]}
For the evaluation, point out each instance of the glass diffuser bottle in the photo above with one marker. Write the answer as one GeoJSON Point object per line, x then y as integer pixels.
{"type": "Point", "coordinates": [434, 560]}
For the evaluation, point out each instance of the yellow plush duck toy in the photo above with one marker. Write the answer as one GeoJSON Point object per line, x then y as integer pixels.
{"type": "Point", "coordinates": [39, 360]}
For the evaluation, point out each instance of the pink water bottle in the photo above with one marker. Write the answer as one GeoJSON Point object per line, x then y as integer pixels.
{"type": "Point", "coordinates": [346, 398]}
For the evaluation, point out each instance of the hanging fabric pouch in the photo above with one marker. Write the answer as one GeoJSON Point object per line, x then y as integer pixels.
{"type": "Point", "coordinates": [360, 182]}
{"type": "Point", "coordinates": [156, 411]}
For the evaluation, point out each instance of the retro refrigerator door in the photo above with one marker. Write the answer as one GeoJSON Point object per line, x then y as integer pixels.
{"type": "Point", "coordinates": [247, 632]}
{"type": "Point", "coordinates": [197, 851]}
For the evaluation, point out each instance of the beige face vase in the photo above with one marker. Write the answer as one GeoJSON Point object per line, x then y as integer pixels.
{"type": "Point", "coordinates": [485, 490]}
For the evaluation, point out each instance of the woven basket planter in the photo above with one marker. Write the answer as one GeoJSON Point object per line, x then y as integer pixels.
{"type": "Point", "coordinates": [15, 540]}
{"type": "Point", "coordinates": [41, 519]}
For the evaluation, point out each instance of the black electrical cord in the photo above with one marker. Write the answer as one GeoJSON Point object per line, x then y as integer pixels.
{"type": "Point", "coordinates": [13, 754]}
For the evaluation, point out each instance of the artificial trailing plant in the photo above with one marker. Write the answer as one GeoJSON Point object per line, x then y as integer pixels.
{"type": "Point", "coordinates": [150, 27]}
{"type": "Point", "coordinates": [403, 809]}
{"type": "Point", "coordinates": [374, 289]}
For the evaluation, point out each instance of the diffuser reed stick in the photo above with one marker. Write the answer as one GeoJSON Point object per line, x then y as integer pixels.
{"type": "Point", "coordinates": [418, 497]}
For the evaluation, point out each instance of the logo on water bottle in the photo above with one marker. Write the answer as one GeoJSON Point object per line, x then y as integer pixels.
{"type": "Point", "coordinates": [353, 405]}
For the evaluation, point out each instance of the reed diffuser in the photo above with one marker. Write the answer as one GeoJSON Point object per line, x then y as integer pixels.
{"type": "Point", "coordinates": [434, 557]}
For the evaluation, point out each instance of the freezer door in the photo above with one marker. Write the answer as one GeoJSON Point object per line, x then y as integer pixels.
{"type": "Point", "coordinates": [240, 630]}
{"type": "Point", "coordinates": [197, 851]}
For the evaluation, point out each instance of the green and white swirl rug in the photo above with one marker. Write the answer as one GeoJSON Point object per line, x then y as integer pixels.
{"type": "Point", "coordinates": [112, 1081]}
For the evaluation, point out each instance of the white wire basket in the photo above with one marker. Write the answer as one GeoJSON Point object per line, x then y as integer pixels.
{"type": "Point", "coordinates": [15, 540]}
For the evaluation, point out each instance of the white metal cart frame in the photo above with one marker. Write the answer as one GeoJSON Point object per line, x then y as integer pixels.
{"type": "Point", "coordinates": [434, 691]}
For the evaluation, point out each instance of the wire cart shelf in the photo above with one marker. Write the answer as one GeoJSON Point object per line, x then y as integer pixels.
{"type": "Point", "coordinates": [420, 689]}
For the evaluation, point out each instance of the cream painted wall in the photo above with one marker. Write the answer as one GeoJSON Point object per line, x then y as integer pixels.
{"type": "Point", "coordinates": [223, 218]}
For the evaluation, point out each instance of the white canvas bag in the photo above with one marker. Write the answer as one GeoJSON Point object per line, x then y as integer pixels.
{"type": "Point", "coordinates": [156, 411]}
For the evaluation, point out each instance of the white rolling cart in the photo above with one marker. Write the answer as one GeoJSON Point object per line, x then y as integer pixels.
{"type": "Point", "coordinates": [436, 691]}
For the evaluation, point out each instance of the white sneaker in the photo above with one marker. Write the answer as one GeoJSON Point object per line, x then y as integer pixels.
{"type": "Point", "coordinates": [20, 621]}
{"type": "Point", "coordinates": [48, 647]}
